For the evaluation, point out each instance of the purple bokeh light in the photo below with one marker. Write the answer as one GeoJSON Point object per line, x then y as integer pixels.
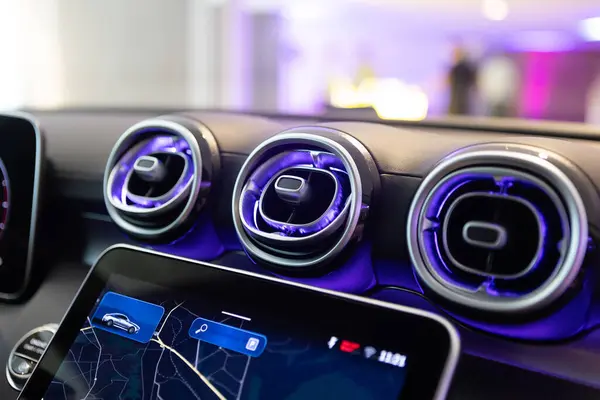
{"type": "Point", "coordinates": [158, 144]}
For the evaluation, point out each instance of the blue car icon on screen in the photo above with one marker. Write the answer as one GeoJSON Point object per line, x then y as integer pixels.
{"type": "Point", "coordinates": [127, 317]}
{"type": "Point", "coordinates": [120, 321]}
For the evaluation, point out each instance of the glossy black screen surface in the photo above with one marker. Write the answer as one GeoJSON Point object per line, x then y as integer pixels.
{"type": "Point", "coordinates": [132, 327]}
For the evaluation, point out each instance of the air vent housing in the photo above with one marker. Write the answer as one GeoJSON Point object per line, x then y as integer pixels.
{"type": "Point", "coordinates": [159, 175]}
{"type": "Point", "coordinates": [499, 228]}
{"type": "Point", "coordinates": [302, 196]}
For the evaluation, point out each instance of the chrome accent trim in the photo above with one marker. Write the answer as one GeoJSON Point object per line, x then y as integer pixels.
{"type": "Point", "coordinates": [137, 210]}
{"type": "Point", "coordinates": [294, 196]}
{"type": "Point", "coordinates": [527, 158]}
{"type": "Point", "coordinates": [500, 241]}
{"type": "Point", "coordinates": [158, 210]}
{"type": "Point", "coordinates": [341, 215]}
{"type": "Point", "coordinates": [195, 187]}
{"type": "Point", "coordinates": [332, 227]}
{"type": "Point", "coordinates": [354, 201]}
{"type": "Point", "coordinates": [37, 178]}
{"type": "Point", "coordinates": [532, 263]}
{"type": "Point", "coordinates": [154, 173]}
{"type": "Point", "coordinates": [454, 339]}
{"type": "Point", "coordinates": [292, 177]}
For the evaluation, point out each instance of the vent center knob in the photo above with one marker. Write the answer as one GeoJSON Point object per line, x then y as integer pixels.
{"type": "Point", "coordinates": [292, 189]}
{"type": "Point", "coordinates": [484, 234]}
{"type": "Point", "coordinates": [150, 169]}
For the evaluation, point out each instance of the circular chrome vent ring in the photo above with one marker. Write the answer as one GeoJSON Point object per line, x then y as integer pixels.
{"type": "Point", "coordinates": [336, 209]}
{"type": "Point", "coordinates": [122, 173]}
{"type": "Point", "coordinates": [346, 221]}
{"type": "Point", "coordinates": [148, 138]}
{"type": "Point", "coordinates": [536, 163]}
{"type": "Point", "coordinates": [327, 222]}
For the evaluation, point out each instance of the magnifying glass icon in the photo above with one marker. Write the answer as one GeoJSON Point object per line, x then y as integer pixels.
{"type": "Point", "coordinates": [203, 328]}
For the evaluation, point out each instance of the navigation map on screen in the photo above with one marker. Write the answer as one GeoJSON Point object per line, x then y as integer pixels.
{"type": "Point", "coordinates": [158, 347]}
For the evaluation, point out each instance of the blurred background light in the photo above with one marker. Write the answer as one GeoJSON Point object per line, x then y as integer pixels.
{"type": "Point", "coordinates": [390, 57]}
{"type": "Point", "coordinates": [12, 94]}
{"type": "Point", "coordinates": [398, 101]}
{"type": "Point", "coordinates": [389, 97]}
{"type": "Point", "coordinates": [494, 10]}
{"type": "Point", "coordinates": [590, 29]}
{"type": "Point", "coordinates": [308, 10]}
{"type": "Point", "coordinates": [541, 41]}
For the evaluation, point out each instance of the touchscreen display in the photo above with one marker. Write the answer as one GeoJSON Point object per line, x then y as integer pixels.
{"type": "Point", "coordinates": [145, 341]}
{"type": "Point", "coordinates": [146, 325]}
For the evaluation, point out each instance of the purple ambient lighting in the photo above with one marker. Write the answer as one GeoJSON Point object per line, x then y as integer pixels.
{"type": "Point", "coordinates": [257, 183]}
{"type": "Point", "coordinates": [123, 169]}
{"type": "Point", "coordinates": [565, 322]}
{"type": "Point", "coordinates": [354, 276]}
{"type": "Point", "coordinates": [203, 232]}
{"type": "Point", "coordinates": [434, 252]}
{"type": "Point", "coordinates": [396, 278]}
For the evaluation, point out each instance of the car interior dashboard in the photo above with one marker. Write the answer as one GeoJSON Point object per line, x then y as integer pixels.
{"type": "Point", "coordinates": [493, 225]}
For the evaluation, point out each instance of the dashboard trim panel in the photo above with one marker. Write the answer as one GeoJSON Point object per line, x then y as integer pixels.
{"type": "Point", "coordinates": [401, 155]}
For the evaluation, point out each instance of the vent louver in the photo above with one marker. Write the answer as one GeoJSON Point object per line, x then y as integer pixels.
{"type": "Point", "coordinates": [498, 230]}
{"type": "Point", "coordinates": [158, 175]}
{"type": "Point", "coordinates": [302, 197]}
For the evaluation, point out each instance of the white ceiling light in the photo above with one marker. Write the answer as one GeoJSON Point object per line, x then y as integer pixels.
{"type": "Point", "coordinates": [494, 10]}
{"type": "Point", "coordinates": [590, 29]}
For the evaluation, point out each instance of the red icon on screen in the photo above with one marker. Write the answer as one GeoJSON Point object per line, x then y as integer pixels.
{"type": "Point", "coordinates": [348, 346]}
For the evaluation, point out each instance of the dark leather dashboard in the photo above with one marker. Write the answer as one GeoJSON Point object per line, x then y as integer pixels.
{"type": "Point", "coordinates": [77, 229]}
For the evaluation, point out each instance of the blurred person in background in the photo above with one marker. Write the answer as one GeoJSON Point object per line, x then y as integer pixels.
{"type": "Point", "coordinates": [461, 79]}
{"type": "Point", "coordinates": [497, 84]}
{"type": "Point", "coordinates": [592, 114]}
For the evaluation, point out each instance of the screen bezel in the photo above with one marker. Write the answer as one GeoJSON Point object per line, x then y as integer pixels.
{"type": "Point", "coordinates": [22, 153]}
{"type": "Point", "coordinates": [432, 349]}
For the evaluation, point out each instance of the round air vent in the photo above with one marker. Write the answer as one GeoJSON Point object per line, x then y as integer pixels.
{"type": "Point", "coordinates": [158, 174]}
{"type": "Point", "coordinates": [302, 196]}
{"type": "Point", "coordinates": [498, 228]}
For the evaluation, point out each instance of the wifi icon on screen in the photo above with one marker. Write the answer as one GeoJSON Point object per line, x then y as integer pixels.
{"type": "Point", "coordinates": [369, 351]}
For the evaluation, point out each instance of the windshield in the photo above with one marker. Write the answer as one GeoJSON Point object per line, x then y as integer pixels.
{"type": "Point", "coordinates": [392, 59]}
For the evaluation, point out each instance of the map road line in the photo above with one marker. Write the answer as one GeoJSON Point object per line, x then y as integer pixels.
{"type": "Point", "coordinates": [189, 364]}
